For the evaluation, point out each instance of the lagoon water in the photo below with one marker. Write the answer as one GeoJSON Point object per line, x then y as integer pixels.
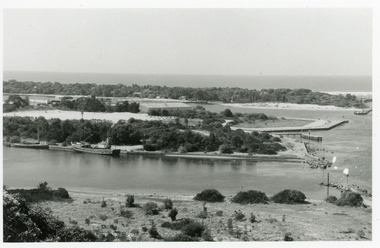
{"type": "Point", "coordinates": [351, 144]}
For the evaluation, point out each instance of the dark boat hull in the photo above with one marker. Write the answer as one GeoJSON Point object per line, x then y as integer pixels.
{"type": "Point", "coordinates": [101, 151]}
{"type": "Point", "coordinates": [32, 146]}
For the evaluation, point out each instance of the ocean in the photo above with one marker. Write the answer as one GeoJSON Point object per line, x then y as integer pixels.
{"type": "Point", "coordinates": [316, 83]}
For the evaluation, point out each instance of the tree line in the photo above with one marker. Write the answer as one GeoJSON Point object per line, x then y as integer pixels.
{"type": "Point", "coordinates": [86, 104]}
{"type": "Point", "coordinates": [153, 135]}
{"type": "Point", "coordinates": [236, 95]}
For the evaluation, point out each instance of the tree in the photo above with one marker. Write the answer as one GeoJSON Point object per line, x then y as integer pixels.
{"type": "Point", "coordinates": [55, 131]}
{"type": "Point", "coordinates": [225, 148]}
{"type": "Point", "coordinates": [228, 113]}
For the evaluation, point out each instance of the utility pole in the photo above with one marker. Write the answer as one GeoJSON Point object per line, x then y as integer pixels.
{"type": "Point", "coordinates": [328, 184]}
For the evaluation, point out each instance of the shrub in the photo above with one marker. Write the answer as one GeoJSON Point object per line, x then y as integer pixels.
{"type": "Point", "coordinates": [210, 195]}
{"type": "Point", "coordinates": [250, 197]}
{"type": "Point", "coordinates": [43, 186]}
{"type": "Point", "coordinates": [103, 204]}
{"type": "Point", "coordinates": [225, 148]}
{"type": "Point", "coordinates": [126, 213]}
{"type": "Point", "coordinates": [113, 227]}
{"type": "Point", "coordinates": [229, 224]}
{"type": "Point", "coordinates": [206, 236]}
{"type": "Point", "coordinates": [22, 223]}
{"type": "Point", "coordinates": [151, 208]}
{"type": "Point", "coordinates": [153, 233]}
{"type": "Point", "coordinates": [130, 201]}
{"type": "Point", "coordinates": [288, 196]}
{"type": "Point", "coordinates": [103, 217]}
{"type": "Point", "coordinates": [194, 229]}
{"type": "Point", "coordinates": [351, 199]}
{"type": "Point", "coordinates": [239, 216]}
{"type": "Point", "coordinates": [87, 221]}
{"type": "Point", "coordinates": [168, 203]}
{"type": "Point", "coordinates": [53, 142]}
{"type": "Point", "coordinates": [166, 224]}
{"type": "Point", "coordinates": [181, 223]}
{"type": "Point", "coordinates": [181, 238]}
{"type": "Point", "coordinates": [331, 199]}
{"type": "Point", "coordinates": [219, 213]}
{"type": "Point", "coordinates": [202, 215]}
{"type": "Point", "coordinates": [173, 214]}
{"type": "Point", "coordinates": [287, 237]}
{"type": "Point", "coordinates": [75, 234]}
{"type": "Point", "coordinates": [360, 233]}
{"type": "Point", "coordinates": [252, 218]}
{"type": "Point", "coordinates": [144, 228]}
{"type": "Point", "coordinates": [14, 139]}
{"type": "Point", "coordinates": [61, 193]}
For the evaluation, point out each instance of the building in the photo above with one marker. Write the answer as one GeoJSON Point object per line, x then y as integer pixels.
{"type": "Point", "coordinates": [146, 107]}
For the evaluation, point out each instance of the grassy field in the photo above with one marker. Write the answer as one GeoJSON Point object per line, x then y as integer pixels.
{"type": "Point", "coordinates": [306, 222]}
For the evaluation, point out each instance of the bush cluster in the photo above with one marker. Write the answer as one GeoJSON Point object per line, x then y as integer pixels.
{"type": "Point", "coordinates": [168, 204]}
{"type": "Point", "coordinates": [351, 199]}
{"type": "Point", "coordinates": [181, 238]}
{"type": "Point", "coordinates": [23, 223]}
{"type": "Point", "coordinates": [194, 229]}
{"type": "Point", "coordinates": [210, 195]}
{"type": "Point", "coordinates": [173, 214]}
{"type": "Point", "coordinates": [331, 199]}
{"type": "Point", "coordinates": [250, 197]}
{"type": "Point", "coordinates": [151, 208]}
{"type": "Point", "coordinates": [288, 196]}
{"type": "Point", "coordinates": [130, 203]}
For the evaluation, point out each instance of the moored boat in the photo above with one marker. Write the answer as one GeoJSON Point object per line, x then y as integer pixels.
{"type": "Point", "coordinates": [30, 145]}
{"type": "Point", "coordinates": [363, 112]}
{"type": "Point", "coordinates": [102, 148]}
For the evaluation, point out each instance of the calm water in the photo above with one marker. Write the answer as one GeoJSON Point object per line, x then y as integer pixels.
{"type": "Point", "coordinates": [352, 144]}
{"type": "Point", "coordinates": [318, 83]}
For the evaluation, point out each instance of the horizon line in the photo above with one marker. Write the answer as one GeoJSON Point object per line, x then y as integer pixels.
{"type": "Point", "coordinates": [187, 74]}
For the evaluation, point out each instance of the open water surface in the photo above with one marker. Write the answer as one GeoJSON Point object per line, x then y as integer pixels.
{"type": "Point", "coordinates": [351, 144]}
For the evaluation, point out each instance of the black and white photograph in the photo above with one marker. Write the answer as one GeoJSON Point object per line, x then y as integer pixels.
{"type": "Point", "coordinates": [188, 124]}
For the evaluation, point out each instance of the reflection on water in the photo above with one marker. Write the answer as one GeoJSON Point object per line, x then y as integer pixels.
{"type": "Point", "coordinates": [351, 144]}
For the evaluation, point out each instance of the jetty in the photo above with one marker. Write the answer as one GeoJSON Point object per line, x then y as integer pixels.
{"type": "Point", "coordinates": [319, 125]}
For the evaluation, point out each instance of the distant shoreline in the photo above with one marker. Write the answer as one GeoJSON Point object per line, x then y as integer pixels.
{"type": "Point", "coordinates": [288, 106]}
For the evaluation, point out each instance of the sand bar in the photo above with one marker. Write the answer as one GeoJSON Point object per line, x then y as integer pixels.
{"type": "Point", "coordinates": [292, 106]}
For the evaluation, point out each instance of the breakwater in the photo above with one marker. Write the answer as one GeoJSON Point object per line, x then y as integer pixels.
{"type": "Point", "coordinates": [310, 127]}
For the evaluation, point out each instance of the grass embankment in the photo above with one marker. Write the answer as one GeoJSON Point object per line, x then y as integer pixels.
{"type": "Point", "coordinates": [318, 220]}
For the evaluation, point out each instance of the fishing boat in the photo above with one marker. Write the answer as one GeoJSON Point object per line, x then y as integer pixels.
{"type": "Point", "coordinates": [363, 112]}
{"type": "Point", "coordinates": [36, 145]}
{"type": "Point", "coordinates": [102, 148]}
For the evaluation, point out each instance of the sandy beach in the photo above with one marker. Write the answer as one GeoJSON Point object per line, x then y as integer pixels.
{"type": "Point", "coordinates": [294, 106]}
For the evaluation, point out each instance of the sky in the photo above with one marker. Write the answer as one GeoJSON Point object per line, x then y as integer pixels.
{"type": "Point", "coordinates": [303, 41]}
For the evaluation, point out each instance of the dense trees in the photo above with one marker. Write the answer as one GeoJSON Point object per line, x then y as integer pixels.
{"type": "Point", "coordinates": [55, 129]}
{"type": "Point", "coordinates": [91, 104]}
{"type": "Point", "coordinates": [15, 102]}
{"type": "Point", "coordinates": [154, 135]}
{"type": "Point", "coordinates": [237, 95]}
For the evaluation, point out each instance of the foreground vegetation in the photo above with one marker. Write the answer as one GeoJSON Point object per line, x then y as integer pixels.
{"type": "Point", "coordinates": [237, 95]}
{"type": "Point", "coordinates": [154, 135]}
{"type": "Point", "coordinates": [128, 218]}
